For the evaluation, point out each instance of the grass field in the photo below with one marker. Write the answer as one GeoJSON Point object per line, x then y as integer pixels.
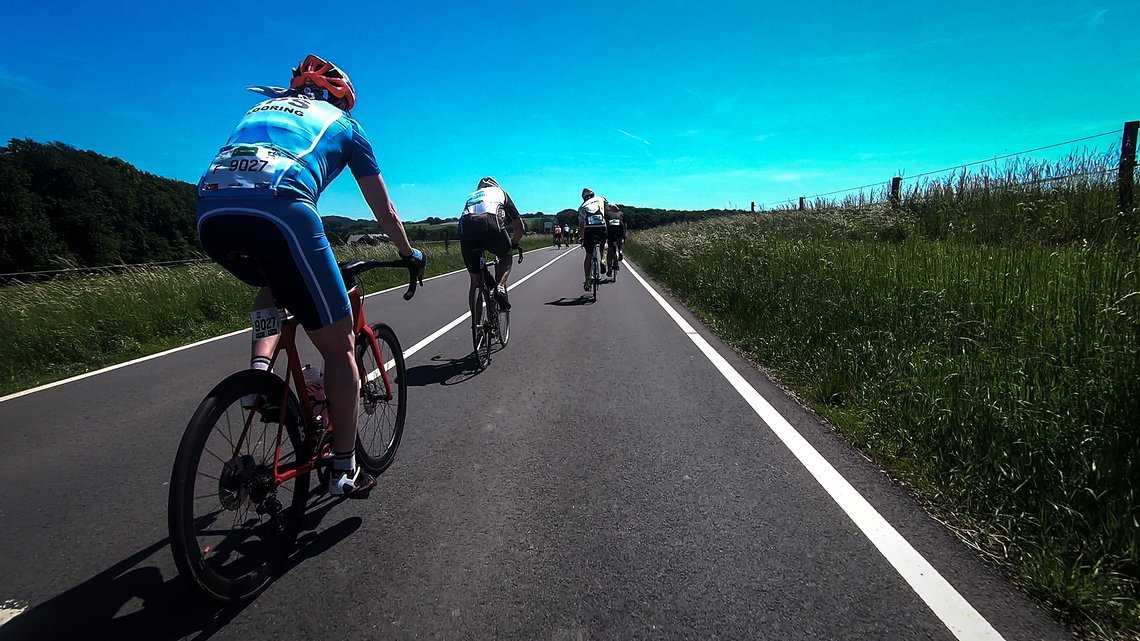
{"type": "Point", "coordinates": [981, 342]}
{"type": "Point", "coordinates": [65, 327]}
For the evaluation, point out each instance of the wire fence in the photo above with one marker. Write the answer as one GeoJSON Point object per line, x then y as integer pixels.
{"type": "Point", "coordinates": [884, 186]}
{"type": "Point", "coordinates": [47, 274]}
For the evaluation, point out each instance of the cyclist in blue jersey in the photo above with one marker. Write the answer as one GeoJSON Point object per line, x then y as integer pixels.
{"type": "Point", "coordinates": [257, 217]}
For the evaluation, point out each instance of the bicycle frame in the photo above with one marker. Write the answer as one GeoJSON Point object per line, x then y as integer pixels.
{"type": "Point", "coordinates": [286, 342]}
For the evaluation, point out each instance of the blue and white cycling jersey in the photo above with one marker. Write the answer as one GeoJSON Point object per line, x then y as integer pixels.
{"type": "Point", "coordinates": [291, 144]}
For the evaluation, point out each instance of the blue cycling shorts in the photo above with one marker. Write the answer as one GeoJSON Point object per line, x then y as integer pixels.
{"type": "Point", "coordinates": [279, 243]}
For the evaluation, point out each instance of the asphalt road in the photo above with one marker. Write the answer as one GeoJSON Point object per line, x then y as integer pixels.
{"type": "Point", "coordinates": [601, 480]}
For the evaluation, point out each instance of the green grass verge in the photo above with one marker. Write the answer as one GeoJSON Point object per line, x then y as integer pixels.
{"type": "Point", "coordinates": [1000, 381]}
{"type": "Point", "coordinates": [61, 328]}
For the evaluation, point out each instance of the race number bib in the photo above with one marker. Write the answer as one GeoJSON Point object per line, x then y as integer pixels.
{"type": "Point", "coordinates": [613, 222]}
{"type": "Point", "coordinates": [475, 202]}
{"type": "Point", "coordinates": [266, 322]}
{"type": "Point", "coordinates": [246, 167]}
{"type": "Point", "coordinates": [595, 219]}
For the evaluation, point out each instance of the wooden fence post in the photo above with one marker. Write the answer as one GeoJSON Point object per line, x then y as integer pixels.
{"type": "Point", "coordinates": [896, 185]}
{"type": "Point", "coordinates": [754, 206]}
{"type": "Point", "coordinates": [801, 203]}
{"type": "Point", "coordinates": [1127, 164]}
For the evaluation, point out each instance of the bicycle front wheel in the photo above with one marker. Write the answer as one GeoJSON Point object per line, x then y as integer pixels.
{"type": "Point", "coordinates": [597, 274]}
{"type": "Point", "coordinates": [383, 403]}
{"type": "Point", "coordinates": [481, 330]}
{"type": "Point", "coordinates": [504, 327]}
{"type": "Point", "coordinates": [232, 524]}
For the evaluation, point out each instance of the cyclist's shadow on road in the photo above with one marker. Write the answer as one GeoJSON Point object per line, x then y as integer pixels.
{"type": "Point", "coordinates": [169, 611]}
{"type": "Point", "coordinates": [443, 371]}
{"type": "Point", "coordinates": [584, 299]}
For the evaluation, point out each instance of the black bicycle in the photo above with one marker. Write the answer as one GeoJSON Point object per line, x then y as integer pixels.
{"type": "Point", "coordinates": [596, 269]}
{"type": "Point", "coordinates": [488, 322]}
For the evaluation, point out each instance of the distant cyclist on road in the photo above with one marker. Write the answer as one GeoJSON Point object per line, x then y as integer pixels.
{"type": "Point", "coordinates": [592, 222]}
{"type": "Point", "coordinates": [257, 217]}
{"type": "Point", "coordinates": [557, 231]}
{"type": "Point", "coordinates": [615, 238]}
{"type": "Point", "coordinates": [482, 226]}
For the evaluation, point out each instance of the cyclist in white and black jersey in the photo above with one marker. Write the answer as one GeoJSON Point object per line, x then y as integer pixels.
{"type": "Point", "coordinates": [483, 226]}
{"type": "Point", "coordinates": [592, 222]}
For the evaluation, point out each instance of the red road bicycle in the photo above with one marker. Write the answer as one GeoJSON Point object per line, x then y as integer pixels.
{"type": "Point", "coordinates": [240, 483]}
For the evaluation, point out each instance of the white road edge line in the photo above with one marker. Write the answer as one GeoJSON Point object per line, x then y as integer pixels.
{"type": "Point", "coordinates": [955, 612]}
{"type": "Point", "coordinates": [10, 609]}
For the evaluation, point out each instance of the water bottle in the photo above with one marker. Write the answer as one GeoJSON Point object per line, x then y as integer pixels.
{"type": "Point", "coordinates": [315, 387]}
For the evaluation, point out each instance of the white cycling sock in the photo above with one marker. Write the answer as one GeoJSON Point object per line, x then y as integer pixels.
{"type": "Point", "coordinates": [259, 363]}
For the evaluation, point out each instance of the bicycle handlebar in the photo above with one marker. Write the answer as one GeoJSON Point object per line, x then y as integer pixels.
{"type": "Point", "coordinates": [353, 269]}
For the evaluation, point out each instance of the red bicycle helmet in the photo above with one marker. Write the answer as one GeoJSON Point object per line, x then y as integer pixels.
{"type": "Point", "coordinates": [325, 75]}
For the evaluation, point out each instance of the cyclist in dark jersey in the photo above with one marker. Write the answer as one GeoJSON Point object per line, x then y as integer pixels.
{"type": "Point", "coordinates": [615, 238]}
{"type": "Point", "coordinates": [257, 217]}
{"type": "Point", "coordinates": [483, 226]}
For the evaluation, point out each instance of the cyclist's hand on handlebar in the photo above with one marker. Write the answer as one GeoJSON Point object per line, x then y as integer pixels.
{"type": "Point", "coordinates": [417, 263]}
{"type": "Point", "coordinates": [519, 249]}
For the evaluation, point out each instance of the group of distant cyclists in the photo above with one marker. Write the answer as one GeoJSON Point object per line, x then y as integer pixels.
{"type": "Point", "coordinates": [257, 217]}
{"type": "Point", "coordinates": [563, 234]}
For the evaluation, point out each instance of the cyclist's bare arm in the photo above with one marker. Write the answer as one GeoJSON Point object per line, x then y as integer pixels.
{"type": "Point", "coordinates": [517, 229]}
{"type": "Point", "coordinates": [376, 195]}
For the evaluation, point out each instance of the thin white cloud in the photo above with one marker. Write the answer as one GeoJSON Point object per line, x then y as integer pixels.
{"type": "Point", "coordinates": [407, 185]}
{"type": "Point", "coordinates": [637, 138]}
{"type": "Point", "coordinates": [843, 59]}
{"type": "Point", "coordinates": [761, 137]}
{"type": "Point", "coordinates": [20, 83]}
{"type": "Point", "coordinates": [1096, 17]}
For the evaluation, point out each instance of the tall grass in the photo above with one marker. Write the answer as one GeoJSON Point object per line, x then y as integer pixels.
{"type": "Point", "coordinates": [982, 345]}
{"type": "Point", "coordinates": [67, 326]}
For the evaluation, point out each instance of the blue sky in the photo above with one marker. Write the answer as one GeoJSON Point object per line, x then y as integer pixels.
{"type": "Point", "coordinates": [658, 104]}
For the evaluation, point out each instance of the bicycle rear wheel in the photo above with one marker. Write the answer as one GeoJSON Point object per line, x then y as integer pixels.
{"type": "Point", "coordinates": [231, 525]}
{"type": "Point", "coordinates": [380, 423]}
{"type": "Point", "coordinates": [481, 330]}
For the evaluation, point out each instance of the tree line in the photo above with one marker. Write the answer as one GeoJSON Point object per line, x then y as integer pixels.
{"type": "Point", "coordinates": [61, 207]}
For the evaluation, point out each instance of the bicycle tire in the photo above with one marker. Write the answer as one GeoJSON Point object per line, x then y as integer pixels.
{"type": "Point", "coordinates": [375, 406]}
{"type": "Point", "coordinates": [206, 567]}
{"type": "Point", "coordinates": [503, 329]}
{"type": "Point", "coordinates": [480, 337]}
{"type": "Point", "coordinates": [596, 267]}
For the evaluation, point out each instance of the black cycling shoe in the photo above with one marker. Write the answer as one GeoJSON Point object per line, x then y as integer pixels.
{"type": "Point", "coordinates": [269, 411]}
{"type": "Point", "coordinates": [501, 298]}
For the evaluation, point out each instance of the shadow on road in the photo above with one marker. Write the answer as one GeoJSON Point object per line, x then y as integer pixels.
{"type": "Point", "coordinates": [450, 371]}
{"type": "Point", "coordinates": [585, 299]}
{"type": "Point", "coordinates": [169, 609]}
